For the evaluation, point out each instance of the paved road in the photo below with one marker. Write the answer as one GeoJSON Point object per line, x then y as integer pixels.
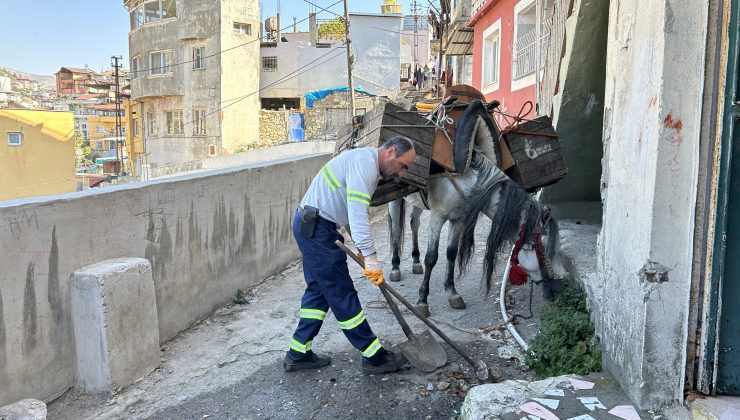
{"type": "Point", "coordinates": [229, 366]}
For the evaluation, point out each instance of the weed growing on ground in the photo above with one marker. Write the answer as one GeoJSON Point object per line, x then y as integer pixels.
{"type": "Point", "coordinates": [566, 343]}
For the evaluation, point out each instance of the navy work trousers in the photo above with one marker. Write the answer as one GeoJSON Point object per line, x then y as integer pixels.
{"type": "Point", "coordinates": [329, 285]}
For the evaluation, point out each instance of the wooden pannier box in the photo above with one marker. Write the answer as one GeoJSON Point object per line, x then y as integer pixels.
{"type": "Point", "coordinates": [537, 154]}
{"type": "Point", "coordinates": [376, 127]}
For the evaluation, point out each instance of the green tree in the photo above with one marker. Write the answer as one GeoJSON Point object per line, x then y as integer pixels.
{"type": "Point", "coordinates": [333, 29]}
{"type": "Point", "coordinates": [83, 151]}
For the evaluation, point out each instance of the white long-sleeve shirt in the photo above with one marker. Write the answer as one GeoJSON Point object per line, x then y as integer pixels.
{"type": "Point", "coordinates": [342, 191]}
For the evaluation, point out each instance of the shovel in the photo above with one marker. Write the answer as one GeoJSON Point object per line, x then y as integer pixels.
{"type": "Point", "coordinates": [422, 350]}
{"type": "Point", "coordinates": [482, 372]}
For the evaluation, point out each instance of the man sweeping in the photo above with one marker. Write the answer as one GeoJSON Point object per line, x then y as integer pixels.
{"type": "Point", "coordinates": [338, 196]}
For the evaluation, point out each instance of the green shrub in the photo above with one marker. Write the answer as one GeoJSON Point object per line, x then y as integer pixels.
{"type": "Point", "coordinates": [565, 343]}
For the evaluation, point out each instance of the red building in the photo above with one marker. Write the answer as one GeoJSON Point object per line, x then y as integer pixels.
{"type": "Point", "coordinates": [504, 50]}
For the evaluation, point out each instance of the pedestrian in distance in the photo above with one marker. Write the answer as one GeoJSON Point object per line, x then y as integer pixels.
{"type": "Point", "coordinates": [339, 195]}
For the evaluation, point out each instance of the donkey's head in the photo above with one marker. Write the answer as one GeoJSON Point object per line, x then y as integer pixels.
{"type": "Point", "coordinates": [539, 255]}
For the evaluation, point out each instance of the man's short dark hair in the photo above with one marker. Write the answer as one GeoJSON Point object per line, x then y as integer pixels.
{"type": "Point", "coordinates": [401, 143]}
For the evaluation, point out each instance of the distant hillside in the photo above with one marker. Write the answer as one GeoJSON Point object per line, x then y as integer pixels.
{"type": "Point", "coordinates": [47, 81]}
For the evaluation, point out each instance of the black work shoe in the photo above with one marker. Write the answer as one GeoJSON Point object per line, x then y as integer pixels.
{"type": "Point", "coordinates": [392, 361]}
{"type": "Point", "coordinates": [310, 361]}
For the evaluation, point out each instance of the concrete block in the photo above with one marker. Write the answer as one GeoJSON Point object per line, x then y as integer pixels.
{"type": "Point", "coordinates": [114, 315]}
{"type": "Point", "coordinates": [28, 409]}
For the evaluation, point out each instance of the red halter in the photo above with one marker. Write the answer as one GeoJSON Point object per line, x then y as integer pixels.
{"type": "Point", "coordinates": [517, 275]}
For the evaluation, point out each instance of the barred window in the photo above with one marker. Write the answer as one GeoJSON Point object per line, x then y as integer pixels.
{"type": "Point", "coordinates": [269, 63]}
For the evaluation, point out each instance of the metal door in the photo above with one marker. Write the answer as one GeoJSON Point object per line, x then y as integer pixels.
{"type": "Point", "coordinates": [726, 271]}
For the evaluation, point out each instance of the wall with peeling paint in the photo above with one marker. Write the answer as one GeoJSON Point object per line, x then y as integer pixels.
{"type": "Point", "coordinates": [652, 116]}
{"type": "Point", "coordinates": [205, 235]}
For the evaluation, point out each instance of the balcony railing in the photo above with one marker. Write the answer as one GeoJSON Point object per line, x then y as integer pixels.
{"type": "Point", "coordinates": [525, 54]}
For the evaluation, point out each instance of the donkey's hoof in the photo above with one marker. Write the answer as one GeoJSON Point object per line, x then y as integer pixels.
{"type": "Point", "coordinates": [395, 275]}
{"type": "Point", "coordinates": [417, 268]}
{"type": "Point", "coordinates": [457, 302]}
{"type": "Point", "coordinates": [423, 309]}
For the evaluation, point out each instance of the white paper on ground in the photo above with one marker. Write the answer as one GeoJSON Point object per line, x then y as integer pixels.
{"type": "Point", "coordinates": [538, 410]}
{"type": "Point", "coordinates": [626, 412]}
{"type": "Point", "coordinates": [583, 417]}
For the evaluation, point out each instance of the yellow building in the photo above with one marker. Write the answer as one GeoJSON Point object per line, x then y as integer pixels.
{"type": "Point", "coordinates": [37, 153]}
{"type": "Point", "coordinates": [136, 156]}
{"type": "Point", "coordinates": [391, 7]}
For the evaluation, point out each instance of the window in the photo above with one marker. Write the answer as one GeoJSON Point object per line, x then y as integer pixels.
{"type": "Point", "coordinates": [152, 127]}
{"type": "Point", "coordinates": [100, 129]}
{"type": "Point", "coordinates": [525, 44]}
{"type": "Point", "coordinates": [15, 139]}
{"type": "Point", "coordinates": [199, 57]}
{"type": "Point", "coordinates": [243, 28]}
{"type": "Point", "coordinates": [135, 130]}
{"type": "Point", "coordinates": [152, 11]}
{"type": "Point", "coordinates": [174, 122]}
{"type": "Point", "coordinates": [99, 145]}
{"type": "Point", "coordinates": [137, 16]}
{"type": "Point", "coordinates": [269, 63]}
{"type": "Point", "coordinates": [159, 62]}
{"type": "Point", "coordinates": [135, 67]}
{"type": "Point", "coordinates": [491, 55]}
{"type": "Point", "coordinates": [199, 122]}
{"type": "Point", "coordinates": [112, 145]}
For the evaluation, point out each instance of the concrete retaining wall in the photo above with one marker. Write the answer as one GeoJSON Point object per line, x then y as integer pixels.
{"type": "Point", "coordinates": [205, 236]}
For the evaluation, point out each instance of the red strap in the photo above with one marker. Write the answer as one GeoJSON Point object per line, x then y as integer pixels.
{"type": "Point", "coordinates": [517, 275]}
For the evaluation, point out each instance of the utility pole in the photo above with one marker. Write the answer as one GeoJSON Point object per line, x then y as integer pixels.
{"type": "Point", "coordinates": [443, 16]}
{"type": "Point", "coordinates": [416, 34]}
{"type": "Point", "coordinates": [350, 83]}
{"type": "Point", "coordinates": [119, 141]}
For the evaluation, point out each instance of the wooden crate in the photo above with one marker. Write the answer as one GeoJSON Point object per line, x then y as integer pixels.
{"type": "Point", "coordinates": [380, 124]}
{"type": "Point", "coordinates": [537, 154]}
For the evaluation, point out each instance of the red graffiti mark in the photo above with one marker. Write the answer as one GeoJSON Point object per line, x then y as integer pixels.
{"type": "Point", "coordinates": [668, 121]}
{"type": "Point", "coordinates": [676, 125]}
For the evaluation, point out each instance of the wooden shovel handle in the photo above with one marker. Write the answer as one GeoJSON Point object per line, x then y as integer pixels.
{"type": "Point", "coordinates": [411, 307]}
{"type": "Point", "coordinates": [388, 298]}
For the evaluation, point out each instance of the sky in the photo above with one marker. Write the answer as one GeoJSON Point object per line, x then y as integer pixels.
{"type": "Point", "coordinates": [40, 36]}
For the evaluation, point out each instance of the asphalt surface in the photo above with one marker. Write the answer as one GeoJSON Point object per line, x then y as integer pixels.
{"type": "Point", "coordinates": [230, 365]}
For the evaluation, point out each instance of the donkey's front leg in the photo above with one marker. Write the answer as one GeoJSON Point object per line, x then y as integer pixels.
{"type": "Point", "coordinates": [453, 239]}
{"type": "Point", "coordinates": [395, 219]}
{"type": "Point", "coordinates": [435, 227]}
{"type": "Point", "coordinates": [417, 268]}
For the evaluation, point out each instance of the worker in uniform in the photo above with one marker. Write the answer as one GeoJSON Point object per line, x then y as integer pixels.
{"type": "Point", "coordinates": [338, 196]}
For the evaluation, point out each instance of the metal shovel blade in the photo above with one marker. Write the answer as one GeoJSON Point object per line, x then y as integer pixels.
{"type": "Point", "coordinates": [424, 352]}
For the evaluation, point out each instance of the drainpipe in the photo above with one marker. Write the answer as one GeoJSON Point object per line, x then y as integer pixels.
{"type": "Point", "coordinates": [538, 55]}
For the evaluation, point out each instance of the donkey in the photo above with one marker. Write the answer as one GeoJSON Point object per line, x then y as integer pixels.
{"type": "Point", "coordinates": [482, 188]}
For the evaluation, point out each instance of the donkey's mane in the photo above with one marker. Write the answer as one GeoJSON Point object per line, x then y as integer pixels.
{"type": "Point", "coordinates": [513, 204]}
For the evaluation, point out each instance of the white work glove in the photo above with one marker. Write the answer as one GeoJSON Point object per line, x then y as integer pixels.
{"type": "Point", "coordinates": [373, 272]}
